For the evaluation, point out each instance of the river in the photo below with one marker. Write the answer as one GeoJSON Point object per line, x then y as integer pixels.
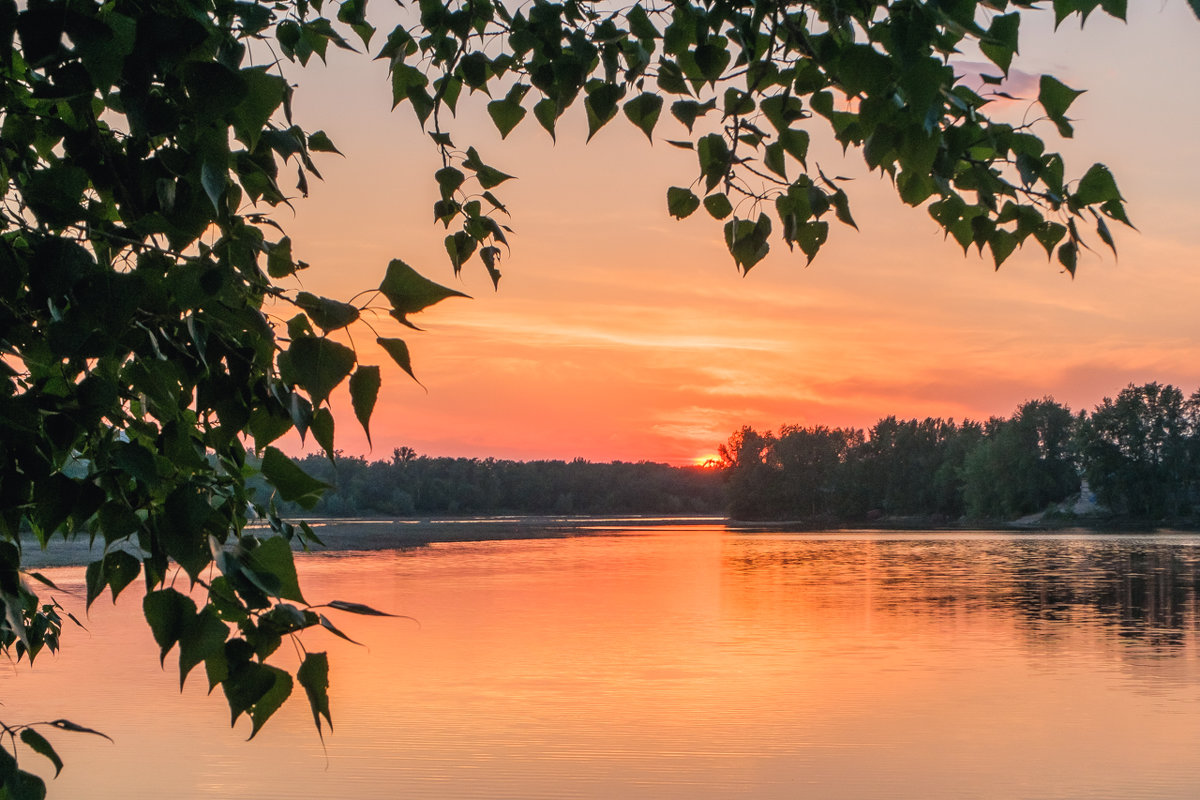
{"type": "Point", "coordinates": [680, 661]}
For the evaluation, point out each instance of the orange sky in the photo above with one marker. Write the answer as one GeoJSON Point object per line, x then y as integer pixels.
{"type": "Point", "coordinates": [620, 333]}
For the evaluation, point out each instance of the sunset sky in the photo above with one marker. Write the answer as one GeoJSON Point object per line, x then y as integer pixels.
{"type": "Point", "coordinates": [621, 333]}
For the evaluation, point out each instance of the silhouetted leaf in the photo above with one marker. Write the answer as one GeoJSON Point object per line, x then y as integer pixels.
{"type": "Point", "coordinates": [410, 292]}
{"type": "Point", "coordinates": [357, 608]}
{"type": "Point", "coordinates": [117, 569]}
{"type": "Point", "coordinates": [293, 484]}
{"type": "Point", "coordinates": [1056, 97]}
{"type": "Point", "coordinates": [507, 113]}
{"type": "Point", "coordinates": [643, 112]}
{"type": "Point", "coordinates": [169, 613]}
{"type": "Point", "coordinates": [1097, 186]}
{"type": "Point", "coordinates": [202, 638]}
{"type": "Point", "coordinates": [317, 365]}
{"type": "Point", "coordinates": [364, 390]}
{"type": "Point", "coordinates": [718, 206]}
{"type": "Point", "coordinates": [314, 677]}
{"type": "Point", "coordinates": [329, 315]}
{"type": "Point", "coordinates": [329, 626]}
{"type": "Point", "coordinates": [398, 350]}
{"type": "Point", "coordinates": [273, 557]}
{"type": "Point", "coordinates": [40, 578]}
{"type": "Point", "coordinates": [322, 430]}
{"type": "Point", "coordinates": [67, 725]}
{"type": "Point", "coordinates": [40, 745]}
{"type": "Point", "coordinates": [681, 202]}
{"type": "Point", "coordinates": [320, 142]}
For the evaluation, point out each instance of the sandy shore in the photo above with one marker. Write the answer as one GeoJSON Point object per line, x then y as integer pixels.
{"type": "Point", "coordinates": [340, 535]}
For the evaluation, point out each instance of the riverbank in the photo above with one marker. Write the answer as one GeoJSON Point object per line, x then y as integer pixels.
{"type": "Point", "coordinates": [354, 534]}
{"type": "Point", "coordinates": [341, 534]}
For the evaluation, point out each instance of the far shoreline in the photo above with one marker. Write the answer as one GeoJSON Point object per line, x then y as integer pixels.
{"type": "Point", "coordinates": [368, 534]}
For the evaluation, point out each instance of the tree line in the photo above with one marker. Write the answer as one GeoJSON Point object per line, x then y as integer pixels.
{"type": "Point", "coordinates": [410, 484]}
{"type": "Point", "coordinates": [1139, 453]}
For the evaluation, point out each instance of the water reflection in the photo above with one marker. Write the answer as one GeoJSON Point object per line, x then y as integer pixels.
{"type": "Point", "coordinates": [1142, 588]}
{"type": "Point", "coordinates": [691, 663]}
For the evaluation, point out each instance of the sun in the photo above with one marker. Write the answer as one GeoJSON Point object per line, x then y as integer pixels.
{"type": "Point", "coordinates": [707, 461]}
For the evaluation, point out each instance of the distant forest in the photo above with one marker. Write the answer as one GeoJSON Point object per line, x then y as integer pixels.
{"type": "Point", "coordinates": [1139, 454]}
{"type": "Point", "coordinates": [410, 484]}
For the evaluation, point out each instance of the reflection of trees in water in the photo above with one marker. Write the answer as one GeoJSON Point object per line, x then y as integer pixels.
{"type": "Point", "coordinates": [1148, 591]}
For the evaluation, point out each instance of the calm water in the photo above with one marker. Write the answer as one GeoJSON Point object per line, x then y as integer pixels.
{"type": "Point", "coordinates": [683, 661]}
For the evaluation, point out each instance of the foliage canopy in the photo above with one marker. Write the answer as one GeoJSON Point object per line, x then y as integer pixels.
{"type": "Point", "coordinates": [156, 345]}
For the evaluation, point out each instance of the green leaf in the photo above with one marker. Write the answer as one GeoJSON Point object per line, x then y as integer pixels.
{"type": "Point", "coordinates": [273, 560]}
{"type": "Point", "coordinates": [405, 79]}
{"type": "Point", "coordinates": [1097, 186]}
{"type": "Point", "coordinates": [1068, 256]}
{"type": "Point", "coordinates": [201, 639]}
{"type": "Point", "coordinates": [643, 111]}
{"type": "Point", "coordinates": [712, 58]}
{"type": "Point", "coordinates": [364, 390]}
{"type": "Point", "coordinates": [263, 95]}
{"type": "Point", "coordinates": [459, 246]}
{"type": "Point", "coordinates": [687, 111]}
{"type": "Point", "coordinates": [1049, 234]}
{"type": "Point", "coordinates": [317, 365]}
{"type": "Point", "coordinates": [279, 259]}
{"type": "Point", "coordinates": [737, 103]}
{"type": "Point", "coordinates": [320, 142]}
{"type": "Point", "coordinates": [1000, 43]}
{"type": "Point", "coordinates": [398, 350]}
{"type": "Point", "coordinates": [747, 240]}
{"type": "Point", "coordinates": [713, 154]}
{"type": "Point", "coordinates": [1002, 244]}
{"type": "Point", "coordinates": [293, 484]}
{"type": "Point", "coordinates": [40, 578]}
{"type": "Point", "coordinates": [258, 690]}
{"type": "Point", "coordinates": [116, 570]}
{"type": "Point", "coordinates": [782, 110]}
{"type": "Point", "coordinates": [449, 180]}
{"type": "Point", "coordinates": [41, 746]}
{"type": "Point", "coordinates": [841, 207]}
{"type": "Point", "coordinates": [718, 206]}
{"type": "Point", "coordinates": [266, 426]}
{"type": "Point", "coordinates": [1056, 97]}
{"type": "Point", "coordinates": [213, 177]}
{"type": "Point", "coordinates": [641, 26]}
{"type": "Point", "coordinates": [1105, 235]}
{"type": "Point", "coordinates": [795, 142]}
{"type": "Point", "coordinates": [488, 177]}
{"type": "Point", "coordinates": [1113, 209]}
{"type": "Point", "coordinates": [169, 613]}
{"type": "Point", "coordinates": [314, 677]}
{"type": "Point", "coordinates": [546, 112]}
{"type": "Point", "coordinates": [681, 202]}
{"type": "Point", "coordinates": [71, 727]}
{"type": "Point", "coordinates": [601, 106]}
{"type": "Point", "coordinates": [507, 113]}
{"type": "Point", "coordinates": [357, 608]}
{"type": "Point", "coordinates": [670, 78]}
{"type": "Point", "coordinates": [20, 785]}
{"type": "Point", "coordinates": [322, 429]}
{"type": "Point", "coordinates": [329, 626]}
{"type": "Point", "coordinates": [810, 236]}
{"type": "Point", "coordinates": [330, 315]}
{"type": "Point", "coordinates": [409, 292]}
{"type": "Point", "coordinates": [773, 159]}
